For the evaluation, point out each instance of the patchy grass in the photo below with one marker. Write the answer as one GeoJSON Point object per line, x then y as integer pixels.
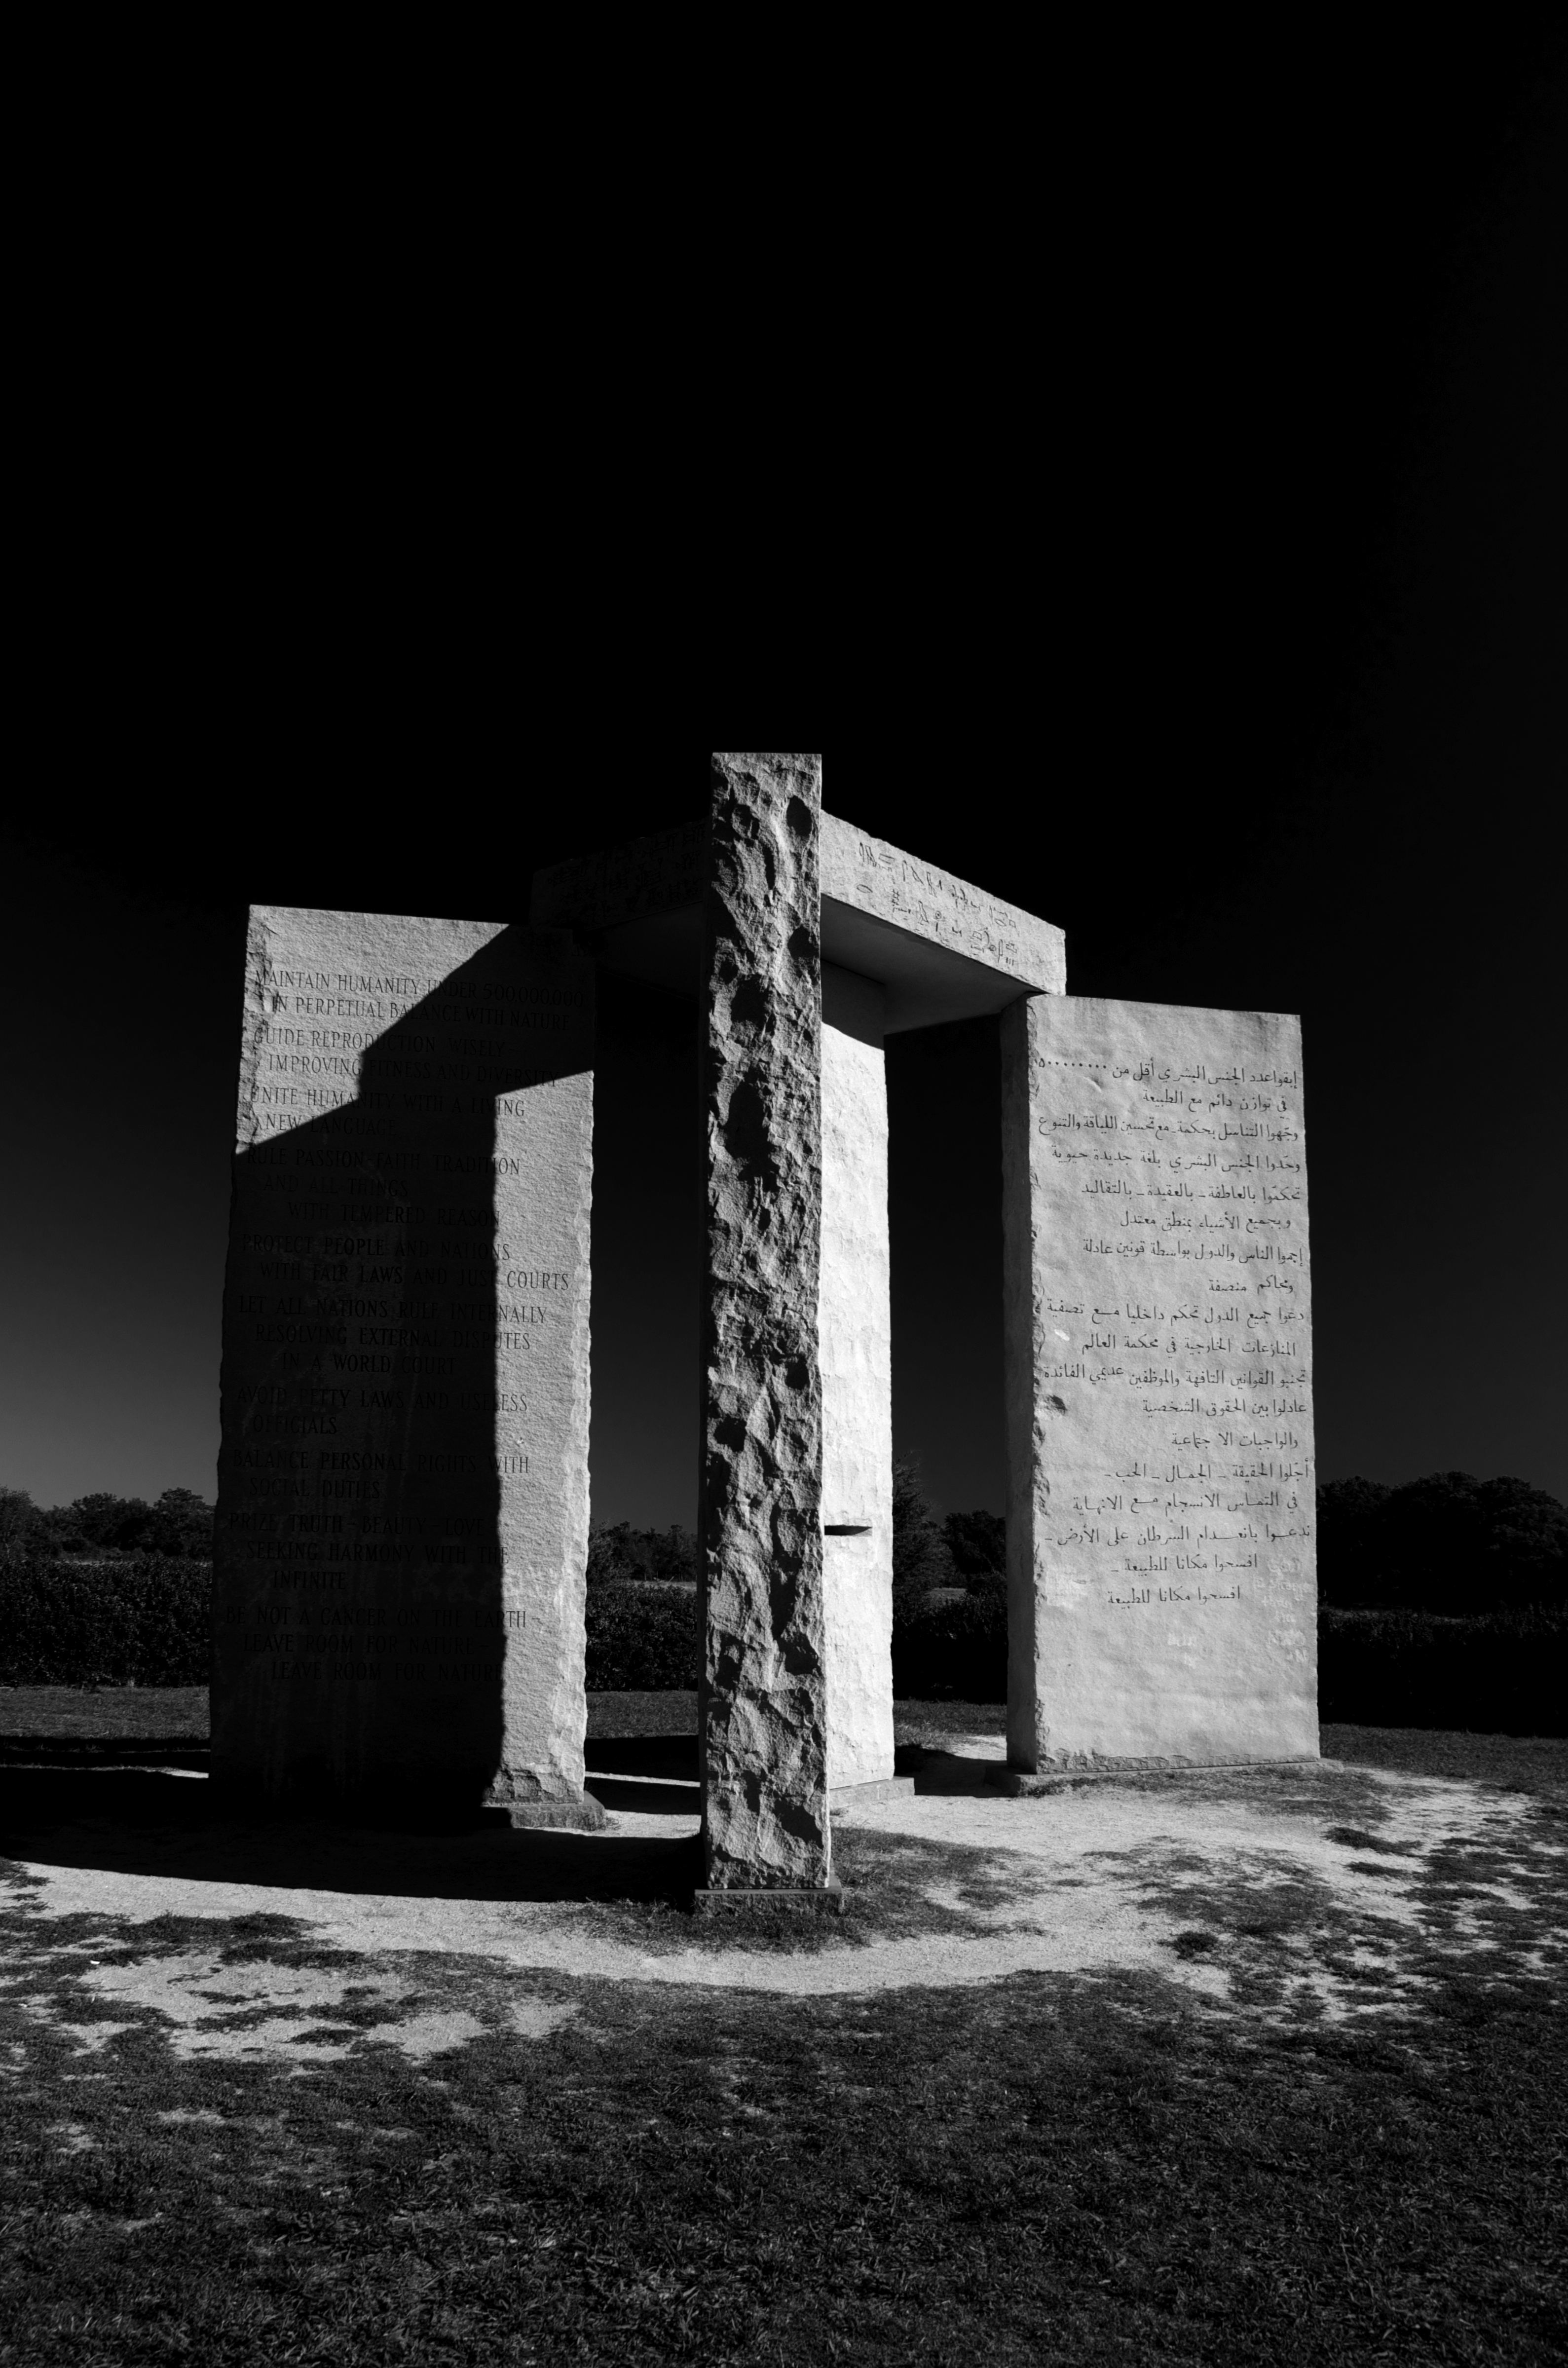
{"type": "Point", "coordinates": [1040, 2170]}
{"type": "Point", "coordinates": [936, 1722]}
{"type": "Point", "coordinates": [1332, 2133]}
{"type": "Point", "coordinates": [1526, 1762]}
{"type": "Point", "coordinates": [85, 1717]}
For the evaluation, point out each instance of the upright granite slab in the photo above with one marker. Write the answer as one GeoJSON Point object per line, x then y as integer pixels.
{"type": "Point", "coordinates": [854, 1344]}
{"type": "Point", "coordinates": [1162, 1587]}
{"type": "Point", "coordinates": [763, 1715]}
{"type": "Point", "coordinates": [403, 1482]}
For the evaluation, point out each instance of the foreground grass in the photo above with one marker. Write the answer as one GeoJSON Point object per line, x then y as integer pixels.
{"type": "Point", "coordinates": [1040, 2168]}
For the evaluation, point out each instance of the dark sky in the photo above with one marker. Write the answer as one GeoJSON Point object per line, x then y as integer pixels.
{"type": "Point", "coordinates": [1203, 591]}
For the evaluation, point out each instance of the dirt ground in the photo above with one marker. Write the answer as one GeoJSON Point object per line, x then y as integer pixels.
{"type": "Point", "coordinates": [1335, 1889]}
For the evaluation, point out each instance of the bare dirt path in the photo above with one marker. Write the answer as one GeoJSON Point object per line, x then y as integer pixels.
{"type": "Point", "coordinates": [1331, 1890]}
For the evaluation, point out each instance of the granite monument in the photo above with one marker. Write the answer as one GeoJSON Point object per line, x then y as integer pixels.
{"type": "Point", "coordinates": [403, 1481]}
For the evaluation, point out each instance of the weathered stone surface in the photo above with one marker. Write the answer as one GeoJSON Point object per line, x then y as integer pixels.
{"type": "Point", "coordinates": [1162, 1587]}
{"type": "Point", "coordinates": [763, 1708]}
{"type": "Point", "coordinates": [862, 875]}
{"type": "Point", "coordinates": [856, 1349]}
{"type": "Point", "coordinates": [663, 872]}
{"type": "Point", "coordinates": [889, 1788]}
{"type": "Point", "coordinates": [402, 1484]}
{"type": "Point", "coordinates": [770, 1900]}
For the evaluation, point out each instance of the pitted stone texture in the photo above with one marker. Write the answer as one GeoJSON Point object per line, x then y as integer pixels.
{"type": "Point", "coordinates": [763, 1716]}
{"type": "Point", "coordinates": [1161, 1576]}
{"type": "Point", "coordinates": [856, 1383]}
{"type": "Point", "coordinates": [403, 1513]}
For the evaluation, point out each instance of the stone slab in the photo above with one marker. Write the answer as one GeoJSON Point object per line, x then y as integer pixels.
{"type": "Point", "coordinates": [943, 948]}
{"type": "Point", "coordinates": [886, 1788]}
{"type": "Point", "coordinates": [824, 1899]}
{"type": "Point", "coordinates": [1162, 1575]}
{"type": "Point", "coordinates": [1018, 1785]}
{"type": "Point", "coordinates": [584, 1816]}
{"type": "Point", "coordinates": [855, 1333]}
{"type": "Point", "coordinates": [401, 1532]}
{"type": "Point", "coordinates": [763, 1716]}
{"type": "Point", "coordinates": [939, 947]}
{"type": "Point", "coordinates": [665, 872]}
{"type": "Point", "coordinates": [637, 906]}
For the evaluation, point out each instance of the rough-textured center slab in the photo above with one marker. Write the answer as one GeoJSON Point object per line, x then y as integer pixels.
{"type": "Point", "coordinates": [764, 1710]}
{"type": "Point", "coordinates": [940, 947]}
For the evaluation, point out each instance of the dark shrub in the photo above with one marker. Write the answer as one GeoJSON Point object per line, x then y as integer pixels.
{"type": "Point", "coordinates": [145, 1621]}
{"type": "Point", "coordinates": [952, 1651]}
{"type": "Point", "coordinates": [642, 1637]}
{"type": "Point", "coordinates": [181, 1523]}
{"type": "Point", "coordinates": [1347, 1527]}
{"type": "Point", "coordinates": [622, 1554]}
{"type": "Point", "coordinates": [920, 1557]}
{"type": "Point", "coordinates": [642, 1640]}
{"type": "Point", "coordinates": [977, 1545]}
{"type": "Point", "coordinates": [1503, 1674]}
{"type": "Point", "coordinates": [22, 1535]}
{"type": "Point", "coordinates": [1446, 1544]}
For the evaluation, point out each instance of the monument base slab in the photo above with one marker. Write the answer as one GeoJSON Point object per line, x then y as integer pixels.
{"type": "Point", "coordinates": [771, 1900]}
{"type": "Point", "coordinates": [1031, 1784]}
{"type": "Point", "coordinates": [584, 1816]}
{"type": "Point", "coordinates": [880, 1788]}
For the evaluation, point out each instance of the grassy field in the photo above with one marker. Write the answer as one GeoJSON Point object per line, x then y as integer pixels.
{"type": "Point", "coordinates": [558, 2165]}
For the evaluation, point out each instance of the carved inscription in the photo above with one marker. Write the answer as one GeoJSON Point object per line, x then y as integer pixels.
{"type": "Point", "coordinates": [920, 897]}
{"type": "Point", "coordinates": [656, 874]}
{"type": "Point", "coordinates": [1172, 1350]}
{"type": "Point", "coordinates": [1185, 1296]}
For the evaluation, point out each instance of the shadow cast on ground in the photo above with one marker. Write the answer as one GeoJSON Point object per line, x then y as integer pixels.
{"type": "Point", "coordinates": [156, 1822]}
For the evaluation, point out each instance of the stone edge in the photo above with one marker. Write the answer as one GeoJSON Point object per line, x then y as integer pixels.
{"type": "Point", "coordinates": [828, 1900]}
{"type": "Point", "coordinates": [584, 1817]}
{"type": "Point", "coordinates": [1019, 1784]}
{"type": "Point", "coordinates": [900, 890]}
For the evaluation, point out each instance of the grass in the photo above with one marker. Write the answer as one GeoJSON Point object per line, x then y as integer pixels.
{"type": "Point", "coordinates": [1041, 2168]}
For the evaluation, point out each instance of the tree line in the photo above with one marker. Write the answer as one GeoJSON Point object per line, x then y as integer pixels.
{"type": "Point", "coordinates": [1447, 1545]}
{"type": "Point", "coordinates": [101, 1526]}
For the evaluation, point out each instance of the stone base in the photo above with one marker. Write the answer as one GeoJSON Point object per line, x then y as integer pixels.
{"type": "Point", "coordinates": [881, 1788]}
{"type": "Point", "coordinates": [762, 1901]}
{"type": "Point", "coordinates": [1031, 1784]}
{"type": "Point", "coordinates": [584, 1816]}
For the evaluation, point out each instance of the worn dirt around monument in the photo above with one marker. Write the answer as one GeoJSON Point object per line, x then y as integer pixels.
{"type": "Point", "coordinates": [1326, 1893]}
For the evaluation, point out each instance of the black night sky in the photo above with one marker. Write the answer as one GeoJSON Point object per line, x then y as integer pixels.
{"type": "Point", "coordinates": [1193, 576]}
